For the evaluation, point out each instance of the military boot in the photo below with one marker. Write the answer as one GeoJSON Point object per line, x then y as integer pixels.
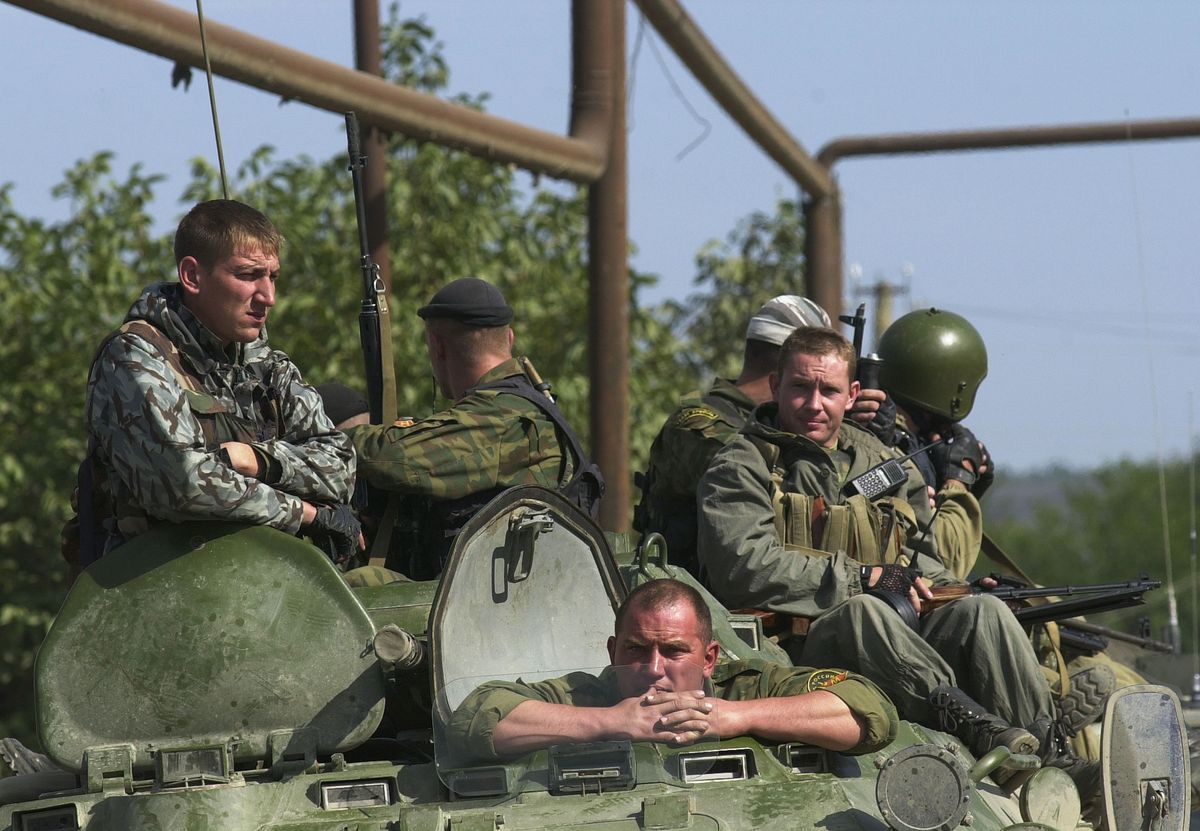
{"type": "Point", "coordinates": [981, 731]}
{"type": "Point", "coordinates": [1088, 692]}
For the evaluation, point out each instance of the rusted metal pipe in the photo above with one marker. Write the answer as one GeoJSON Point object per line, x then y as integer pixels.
{"type": "Point", "coordinates": [823, 241]}
{"type": "Point", "coordinates": [897, 143]}
{"type": "Point", "coordinates": [697, 52]}
{"type": "Point", "coordinates": [173, 33]}
{"type": "Point", "coordinates": [598, 111]}
{"type": "Point", "coordinates": [823, 251]}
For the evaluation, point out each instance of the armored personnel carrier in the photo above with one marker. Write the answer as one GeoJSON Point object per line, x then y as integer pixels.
{"type": "Point", "coordinates": [217, 676]}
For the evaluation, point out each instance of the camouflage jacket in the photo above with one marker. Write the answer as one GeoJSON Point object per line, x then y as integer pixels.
{"type": "Point", "coordinates": [474, 721]}
{"type": "Point", "coordinates": [156, 434]}
{"type": "Point", "coordinates": [488, 440]}
{"type": "Point", "coordinates": [747, 564]}
{"type": "Point", "coordinates": [700, 426]}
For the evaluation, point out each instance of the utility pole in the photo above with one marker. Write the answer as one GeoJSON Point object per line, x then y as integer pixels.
{"type": "Point", "coordinates": [883, 295]}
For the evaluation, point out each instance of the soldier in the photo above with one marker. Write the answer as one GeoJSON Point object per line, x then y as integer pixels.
{"type": "Point", "coordinates": [933, 362]}
{"type": "Point", "coordinates": [703, 423]}
{"type": "Point", "coordinates": [779, 532]}
{"type": "Point", "coordinates": [500, 432]}
{"type": "Point", "coordinates": [192, 416]}
{"type": "Point", "coordinates": [664, 684]}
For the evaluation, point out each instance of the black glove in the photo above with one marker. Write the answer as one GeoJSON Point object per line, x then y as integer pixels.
{"type": "Point", "coordinates": [950, 458]}
{"type": "Point", "coordinates": [895, 578]}
{"type": "Point", "coordinates": [883, 426]}
{"type": "Point", "coordinates": [335, 530]}
{"type": "Point", "coordinates": [985, 479]}
{"type": "Point", "coordinates": [893, 588]}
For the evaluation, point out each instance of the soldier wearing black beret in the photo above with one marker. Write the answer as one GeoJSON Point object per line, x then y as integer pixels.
{"type": "Point", "coordinates": [500, 432]}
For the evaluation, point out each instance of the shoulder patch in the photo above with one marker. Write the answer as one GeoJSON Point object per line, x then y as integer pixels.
{"type": "Point", "coordinates": [695, 416]}
{"type": "Point", "coordinates": [404, 421]}
{"type": "Point", "coordinates": [826, 678]}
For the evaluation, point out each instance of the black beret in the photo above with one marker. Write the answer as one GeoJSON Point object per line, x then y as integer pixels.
{"type": "Point", "coordinates": [469, 300]}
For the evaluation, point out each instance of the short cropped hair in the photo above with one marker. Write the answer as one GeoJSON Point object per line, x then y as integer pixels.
{"type": "Point", "coordinates": [214, 230]}
{"type": "Point", "coordinates": [471, 342]}
{"type": "Point", "coordinates": [656, 595]}
{"type": "Point", "coordinates": [816, 342]}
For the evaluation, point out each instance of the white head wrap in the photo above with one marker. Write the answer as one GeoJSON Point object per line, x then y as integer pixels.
{"type": "Point", "coordinates": [780, 315]}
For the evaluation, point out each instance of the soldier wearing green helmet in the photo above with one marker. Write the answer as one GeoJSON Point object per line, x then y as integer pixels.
{"type": "Point", "coordinates": [933, 362]}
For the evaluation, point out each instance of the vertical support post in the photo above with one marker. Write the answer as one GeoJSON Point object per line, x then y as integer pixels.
{"type": "Point", "coordinates": [823, 251]}
{"type": "Point", "coordinates": [366, 59]}
{"type": "Point", "coordinates": [598, 41]}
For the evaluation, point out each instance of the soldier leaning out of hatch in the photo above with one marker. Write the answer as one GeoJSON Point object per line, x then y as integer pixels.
{"type": "Point", "coordinates": [778, 532]}
{"type": "Point", "coordinates": [665, 684]}
{"type": "Point", "coordinates": [705, 422]}
{"type": "Point", "coordinates": [500, 432]}
{"type": "Point", "coordinates": [192, 416]}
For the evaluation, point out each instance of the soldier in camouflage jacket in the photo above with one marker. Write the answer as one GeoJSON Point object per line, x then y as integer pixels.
{"type": "Point", "coordinates": [499, 433]}
{"type": "Point", "coordinates": [192, 415]}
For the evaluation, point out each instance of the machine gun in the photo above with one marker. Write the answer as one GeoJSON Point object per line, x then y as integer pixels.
{"type": "Point", "coordinates": [1077, 600]}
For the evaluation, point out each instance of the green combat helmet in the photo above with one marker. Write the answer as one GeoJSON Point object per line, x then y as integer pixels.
{"type": "Point", "coordinates": [935, 360]}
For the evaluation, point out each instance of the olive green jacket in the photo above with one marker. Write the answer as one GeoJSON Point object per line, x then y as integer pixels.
{"type": "Point", "coordinates": [474, 722]}
{"type": "Point", "coordinates": [488, 439]}
{"type": "Point", "coordinates": [745, 562]}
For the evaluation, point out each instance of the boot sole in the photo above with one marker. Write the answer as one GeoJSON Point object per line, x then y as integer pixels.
{"type": "Point", "coordinates": [1090, 689]}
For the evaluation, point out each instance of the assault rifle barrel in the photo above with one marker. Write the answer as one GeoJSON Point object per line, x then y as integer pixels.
{"type": "Point", "coordinates": [369, 331]}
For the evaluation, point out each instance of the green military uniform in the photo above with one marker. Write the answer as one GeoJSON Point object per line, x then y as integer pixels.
{"type": "Point", "coordinates": [474, 721]}
{"type": "Point", "coordinates": [974, 643]}
{"type": "Point", "coordinates": [700, 426]}
{"type": "Point", "coordinates": [487, 441]}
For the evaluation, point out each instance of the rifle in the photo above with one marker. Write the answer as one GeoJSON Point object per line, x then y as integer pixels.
{"type": "Point", "coordinates": [867, 366]}
{"type": "Point", "coordinates": [373, 315]}
{"type": "Point", "coordinates": [1090, 638]}
{"type": "Point", "coordinates": [1096, 597]}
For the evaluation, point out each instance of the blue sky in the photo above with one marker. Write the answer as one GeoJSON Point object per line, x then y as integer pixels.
{"type": "Point", "coordinates": [1076, 264]}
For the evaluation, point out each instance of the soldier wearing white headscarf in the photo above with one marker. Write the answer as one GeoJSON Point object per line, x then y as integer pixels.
{"type": "Point", "coordinates": [705, 420]}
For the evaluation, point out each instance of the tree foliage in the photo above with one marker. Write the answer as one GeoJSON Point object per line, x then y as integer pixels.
{"type": "Point", "coordinates": [1108, 527]}
{"type": "Point", "coordinates": [761, 258]}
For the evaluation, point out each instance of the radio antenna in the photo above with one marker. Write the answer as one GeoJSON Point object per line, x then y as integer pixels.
{"type": "Point", "coordinates": [212, 99]}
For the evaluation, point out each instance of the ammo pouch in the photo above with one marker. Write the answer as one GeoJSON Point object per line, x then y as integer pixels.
{"type": "Point", "coordinates": [873, 533]}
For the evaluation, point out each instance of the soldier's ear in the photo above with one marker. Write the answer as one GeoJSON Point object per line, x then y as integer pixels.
{"type": "Point", "coordinates": [612, 649]}
{"type": "Point", "coordinates": [189, 275]}
{"type": "Point", "coordinates": [711, 653]}
{"type": "Point", "coordinates": [773, 380]}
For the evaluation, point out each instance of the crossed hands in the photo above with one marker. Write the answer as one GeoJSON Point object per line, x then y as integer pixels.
{"type": "Point", "coordinates": [677, 718]}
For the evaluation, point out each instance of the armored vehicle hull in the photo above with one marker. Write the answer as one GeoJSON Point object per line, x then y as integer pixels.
{"type": "Point", "coordinates": [219, 676]}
